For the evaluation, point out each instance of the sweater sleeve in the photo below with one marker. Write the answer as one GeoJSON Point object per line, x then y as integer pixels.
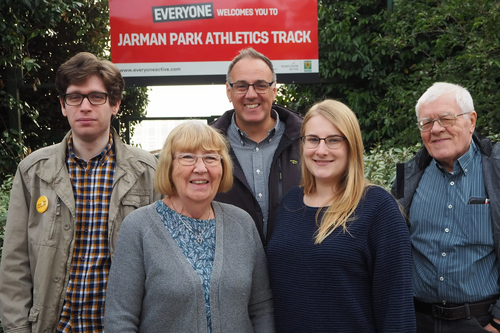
{"type": "Point", "coordinates": [126, 280]}
{"type": "Point", "coordinates": [261, 301]}
{"type": "Point", "coordinates": [389, 245]}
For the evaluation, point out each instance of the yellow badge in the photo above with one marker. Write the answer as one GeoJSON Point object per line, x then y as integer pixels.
{"type": "Point", "coordinates": [42, 203]}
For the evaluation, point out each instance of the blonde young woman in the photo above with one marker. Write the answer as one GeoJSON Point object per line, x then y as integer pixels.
{"type": "Point", "coordinates": [187, 263]}
{"type": "Point", "coordinates": [340, 256]}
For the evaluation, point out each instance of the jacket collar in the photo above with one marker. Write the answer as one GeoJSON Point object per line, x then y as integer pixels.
{"type": "Point", "coordinates": [423, 157]}
{"type": "Point", "coordinates": [126, 162]}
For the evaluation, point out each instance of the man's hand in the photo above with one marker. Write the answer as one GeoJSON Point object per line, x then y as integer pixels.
{"type": "Point", "coordinates": [491, 328]}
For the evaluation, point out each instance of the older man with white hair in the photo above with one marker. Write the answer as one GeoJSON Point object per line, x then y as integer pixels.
{"type": "Point", "coordinates": [451, 195]}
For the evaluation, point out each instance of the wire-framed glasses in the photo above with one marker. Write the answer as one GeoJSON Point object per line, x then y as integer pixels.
{"type": "Point", "coordinates": [332, 141]}
{"type": "Point", "coordinates": [191, 159]}
{"type": "Point", "coordinates": [445, 120]}
{"type": "Point", "coordinates": [241, 87]}
{"type": "Point", "coordinates": [95, 98]}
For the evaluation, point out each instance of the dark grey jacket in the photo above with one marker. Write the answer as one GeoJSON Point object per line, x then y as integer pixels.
{"type": "Point", "coordinates": [284, 174]}
{"type": "Point", "coordinates": [409, 175]}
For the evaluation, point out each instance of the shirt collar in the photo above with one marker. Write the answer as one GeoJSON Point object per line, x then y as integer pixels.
{"type": "Point", "coordinates": [270, 134]}
{"type": "Point", "coordinates": [100, 157]}
{"type": "Point", "coordinates": [462, 165]}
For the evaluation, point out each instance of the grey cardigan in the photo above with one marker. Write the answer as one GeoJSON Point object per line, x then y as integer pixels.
{"type": "Point", "coordinates": [153, 288]}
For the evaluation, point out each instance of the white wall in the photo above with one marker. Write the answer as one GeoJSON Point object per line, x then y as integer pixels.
{"type": "Point", "coordinates": [178, 101]}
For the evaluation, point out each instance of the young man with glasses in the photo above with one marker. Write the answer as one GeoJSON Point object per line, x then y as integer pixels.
{"type": "Point", "coordinates": [451, 194]}
{"type": "Point", "coordinates": [264, 139]}
{"type": "Point", "coordinates": [67, 204]}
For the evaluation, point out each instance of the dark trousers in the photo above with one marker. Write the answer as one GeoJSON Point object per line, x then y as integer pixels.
{"type": "Point", "coordinates": [426, 323]}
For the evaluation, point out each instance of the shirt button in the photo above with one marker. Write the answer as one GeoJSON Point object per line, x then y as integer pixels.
{"type": "Point", "coordinates": [452, 183]}
{"type": "Point", "coordinates": [66, 226]}
{"type": "Point", "coordinates": [441, 278]}
{"type": "Point", "coordinates": [82, 258]}
{"type": "Point", "coordinates": [446, 230]}
{"type": "Point", "coordinates": [257, 149]}
{"type": "Point", "coordinates": [88, 201]}
{"type": "Point", "coordinates": [443, 254]}
{"type": "Point", "coordinates": [258, 171]}
{"type": "Point", "coordinates": [260, 195]}
{"type": "Point", "coordinates": [89, 172]}
{"type": "Point", "coordinates": [450, 206]}
{"type": "Point", "coordinates": [56, 279]}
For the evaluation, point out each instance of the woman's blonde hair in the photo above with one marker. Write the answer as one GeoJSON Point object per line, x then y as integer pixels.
{"type": "Point", "coordinates": [352, 184]}
{"type": "Point", "coordinates": [189, 137]}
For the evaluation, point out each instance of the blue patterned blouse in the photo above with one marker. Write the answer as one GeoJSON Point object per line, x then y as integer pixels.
{"type": "Point", "coordinates": [201, 255]}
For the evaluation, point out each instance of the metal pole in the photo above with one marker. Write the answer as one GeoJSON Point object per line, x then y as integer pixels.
{"type": "Point", "coordinates": [14, 81]}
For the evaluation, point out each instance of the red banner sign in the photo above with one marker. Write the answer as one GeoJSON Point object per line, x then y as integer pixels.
{"type": "Point", "coordinates": [182, 38]}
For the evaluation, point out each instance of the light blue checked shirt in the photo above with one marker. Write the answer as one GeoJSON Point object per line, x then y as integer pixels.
{"type": "Point", "coordinates": [453, 252]}
{"type": "Point", "coordinates": [256, 158]}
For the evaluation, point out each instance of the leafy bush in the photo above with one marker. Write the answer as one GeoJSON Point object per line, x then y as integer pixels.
{"type": "Point", "coordinates": [4, 204]}
{"type": "Point", "coordinates": [380, 64]}
{"type": "Point", "coordinates": [380, 163]}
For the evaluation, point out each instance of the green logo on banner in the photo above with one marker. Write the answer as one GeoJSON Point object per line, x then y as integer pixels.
{"type": "Point", "coordinates": [307, 65]}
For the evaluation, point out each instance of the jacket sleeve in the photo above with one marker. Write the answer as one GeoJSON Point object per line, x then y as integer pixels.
{"type": "Point", "coordinates": [260, 306]}
{"type": "Point", "coordinates": [398, 187]}
{"type": "Point", "coordinates": [126, 280]}
{"type": "Point", "coordinates": [15, 274]}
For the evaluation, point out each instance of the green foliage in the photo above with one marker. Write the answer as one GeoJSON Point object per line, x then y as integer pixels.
{"type": "Point", "coordinates": [380, 64]}
{"type": "Point", "coordinates": [11, 150]}
{"type": "Point", "coordinates": [4, 205]}
{"type": "Point", "coordinates": [454, 41]}
{"type": "Point", "coordinates": [134, 103]}
{"type": "Point", "coordinates": [37, 37]}
{"type": "Point", "coordinates": [349, 64]}
{"type": "Point", "coordinates": [380, 163]}
{"type": "Point", "coordinates": [494, 137]}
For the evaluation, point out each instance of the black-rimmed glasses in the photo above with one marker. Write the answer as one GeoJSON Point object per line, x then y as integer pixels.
{"type": "Point", "coordinates": [332, 141]}
{"type": "Point", "coordinates": [191, 159]}
{"type": "Point", "coordinates": [241, 87]}
{"type": "Point", "coordinates": [95, 98]}
{"type": "Point", "coordinates": [445, 120]}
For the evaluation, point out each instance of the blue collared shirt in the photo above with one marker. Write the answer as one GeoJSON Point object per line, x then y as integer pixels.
{"type": "Point", "coordinates": [453, 249]}
{"type": "Point", "coordinates": [256, 158]}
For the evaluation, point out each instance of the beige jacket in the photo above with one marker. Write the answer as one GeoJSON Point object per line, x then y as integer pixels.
{"type": "Point", "coordinates": [38, 247]}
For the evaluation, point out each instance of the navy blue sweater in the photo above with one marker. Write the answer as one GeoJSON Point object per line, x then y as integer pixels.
{"type": "Point", "coordinates": [352, 282]}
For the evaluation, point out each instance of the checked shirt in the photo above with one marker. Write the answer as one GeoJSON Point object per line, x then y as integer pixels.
{"type": "Point", "coordinates": [83, 309]}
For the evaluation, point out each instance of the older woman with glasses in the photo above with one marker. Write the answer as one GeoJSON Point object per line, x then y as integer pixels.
{"type": "Point", "coordinates": [340, 255]}
{"type": "Point", "coordinates": [187, 263]}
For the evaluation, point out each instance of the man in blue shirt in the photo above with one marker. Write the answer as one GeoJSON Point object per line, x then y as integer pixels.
{"type": "Point", "coordinates": [264, 139]}
{"type": "Point", "coordinates": [450, 192]}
